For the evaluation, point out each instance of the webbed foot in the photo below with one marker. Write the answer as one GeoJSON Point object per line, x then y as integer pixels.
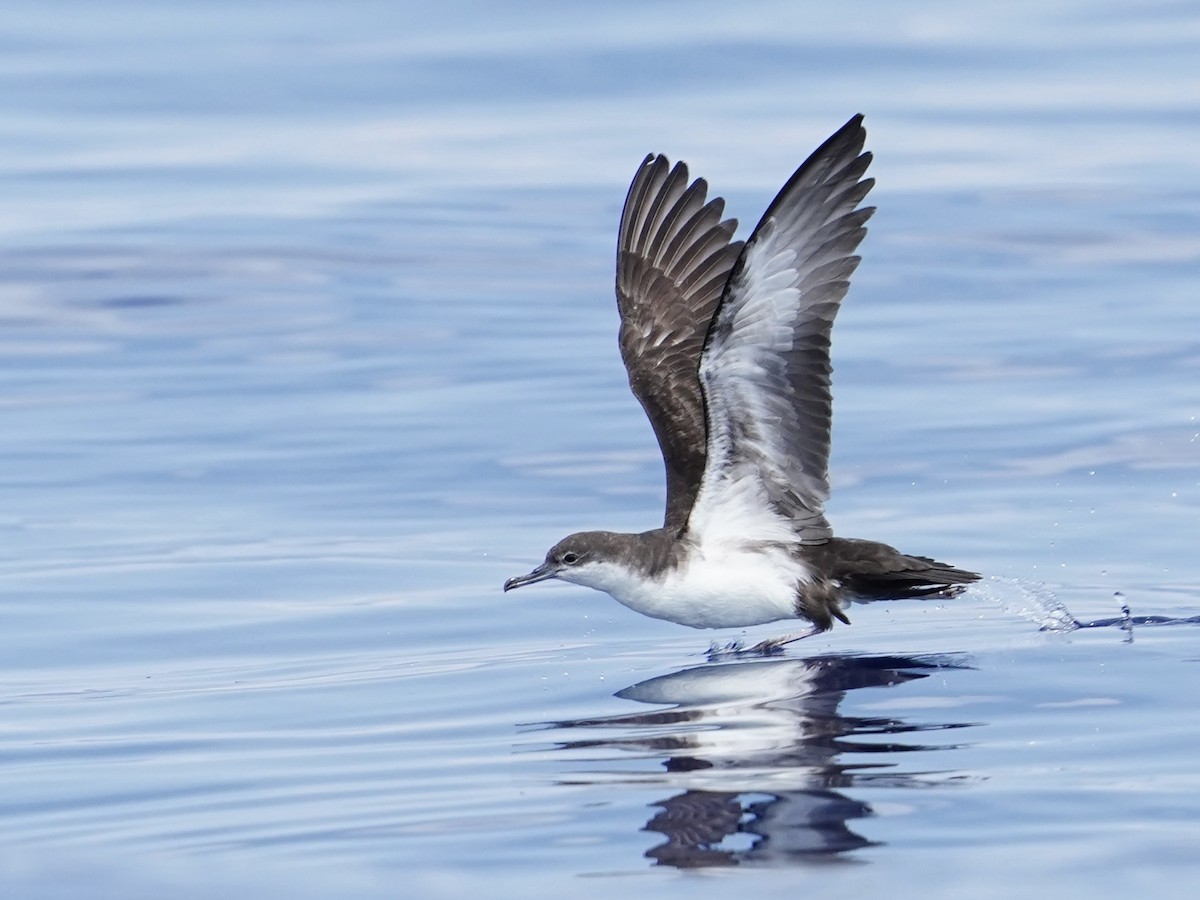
{"type": "Point", "coordinates": [769, 647]}
{"type": "Point", "coordinates": [717, 651]}
{"type": "Point", "coordinates": [772, 646]}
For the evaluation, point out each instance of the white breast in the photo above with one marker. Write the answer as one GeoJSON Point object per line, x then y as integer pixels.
{"type": "Point", "coordinates": [729, 587]}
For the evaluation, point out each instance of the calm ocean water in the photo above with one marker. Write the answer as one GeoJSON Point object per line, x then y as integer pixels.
{"type": "Point", "coordinates": [309, 342]}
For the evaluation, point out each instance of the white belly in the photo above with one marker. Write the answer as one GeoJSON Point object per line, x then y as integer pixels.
{"type": "Point", "coordinates": [732, 589]}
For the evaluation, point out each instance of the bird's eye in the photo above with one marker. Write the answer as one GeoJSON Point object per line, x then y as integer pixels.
{"type": "Point", "coordinates": [570, 558]}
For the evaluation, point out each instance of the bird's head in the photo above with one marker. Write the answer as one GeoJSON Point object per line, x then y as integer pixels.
{"type": "Point", "coordinates": [589, 558]}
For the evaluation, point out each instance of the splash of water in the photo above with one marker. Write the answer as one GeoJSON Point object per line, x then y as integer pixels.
{"type": "Point", "coordinates": [1031, 600]}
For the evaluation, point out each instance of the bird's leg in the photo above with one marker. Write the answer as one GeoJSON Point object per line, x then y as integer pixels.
{"type": "Point", "coordinates": [774, 645]}
{"type": "Point", "coordinates": [762, 648]}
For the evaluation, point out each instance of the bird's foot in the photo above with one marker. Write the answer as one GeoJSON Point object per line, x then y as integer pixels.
{"type": "Point", "coordinates": [732, 648]}
{"type": "Point", "coordinates": [774, 646]}
{"type": "Point", "coordinates": [769, 647]}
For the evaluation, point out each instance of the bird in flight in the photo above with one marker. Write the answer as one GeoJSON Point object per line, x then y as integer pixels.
{"type": "Point", "coordinates": [727, 348]}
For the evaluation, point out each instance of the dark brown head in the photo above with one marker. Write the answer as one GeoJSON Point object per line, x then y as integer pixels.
{"type": "Point", "coordinates": [595, 559]}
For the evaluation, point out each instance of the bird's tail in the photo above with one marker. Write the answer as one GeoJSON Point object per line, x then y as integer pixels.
{"type": "Point", "coordinates": [872, 571]}
{"type": "Point", "coordinates": [919, 577]}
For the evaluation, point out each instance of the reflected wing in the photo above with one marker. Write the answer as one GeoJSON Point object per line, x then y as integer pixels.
{"type": "Point", "coordinates": [674, 256]}
{"type": "Point", "coordinates": [765, 370]}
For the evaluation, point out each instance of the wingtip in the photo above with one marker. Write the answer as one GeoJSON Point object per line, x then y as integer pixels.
{"type": "Point", "coordinates": [852, 132]}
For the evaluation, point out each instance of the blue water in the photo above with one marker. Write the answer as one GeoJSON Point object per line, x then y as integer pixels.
{"type": "Point", "coordinates": [308, 343]}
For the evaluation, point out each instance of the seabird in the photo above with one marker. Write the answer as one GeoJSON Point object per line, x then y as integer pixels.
{"type": "Point", "coordinates": [727, 348]}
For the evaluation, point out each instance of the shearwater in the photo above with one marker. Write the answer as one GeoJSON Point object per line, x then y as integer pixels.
{"type": "Point", "coordinates": [727, 348]}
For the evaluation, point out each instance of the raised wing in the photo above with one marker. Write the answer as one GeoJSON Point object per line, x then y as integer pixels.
{"type": "Point", "coordinates": [765, 370]}
{"type": "Point", "coordinates": [674, 256]}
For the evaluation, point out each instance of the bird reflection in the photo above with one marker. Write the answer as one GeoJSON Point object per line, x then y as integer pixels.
{"type": "Point", "coordinates": [757, 753]}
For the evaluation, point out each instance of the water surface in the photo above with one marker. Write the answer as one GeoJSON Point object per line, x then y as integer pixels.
{"type": "Point", "coordinates": [309, 343]}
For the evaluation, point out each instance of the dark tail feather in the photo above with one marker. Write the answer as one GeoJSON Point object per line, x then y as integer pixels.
{"type": "Point", "coordinates": [874, 571]}
{"type": "Point", "coordinates": [919, 577]}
